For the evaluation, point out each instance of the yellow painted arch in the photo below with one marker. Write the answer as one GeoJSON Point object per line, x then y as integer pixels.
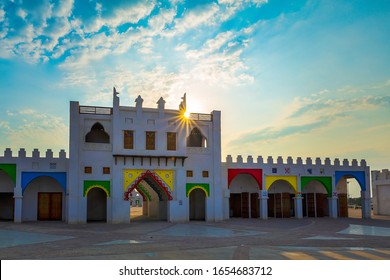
{"type": "Point", "coordinates": [96, 186]}
{"type": "Point", "coordinates": [198, 187]}
{"type": "Point", "coordinates": [292, 180]}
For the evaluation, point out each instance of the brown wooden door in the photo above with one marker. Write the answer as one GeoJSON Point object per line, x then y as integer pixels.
{"type": "Point", "coordinates": [286, 205]}
{"type": "Point", "coordinates": [255, 213]}
{"type": "Point", "coordinates": [56, 206]}
{"type": "Point", "coordinates": [271, 205]}
{"type": "Point", "coordinates": [235, 204]}
{"type": "Point", "coordinates": [343, 205]}
{"type": "Point", "coordinates": [49, 206]}
{"type": "Point", "coordinates": [278, 205]}
{"type": "Point", "coordinates": [321, 204]}
{"type": "Point", "coordinates": [310, 205]}
{"type": "Point", "coordinates": [245, 205]}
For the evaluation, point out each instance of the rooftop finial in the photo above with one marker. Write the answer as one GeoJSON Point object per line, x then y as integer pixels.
{"type": "Point", "coordinates": [183, 103]}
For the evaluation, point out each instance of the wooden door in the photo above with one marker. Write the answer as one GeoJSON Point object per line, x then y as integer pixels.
{"type": "Point", "coordinates": [255, 209]}
{"type": "Point", "coordinates": [7, 203]}
{"type": "Point", "coordinates": [235, 204]}
{"type": "Point", "coordinates": [245, 205]}
{"type": "Point", "coordinates": [43, 206]}
{"type": "Point", "coordinates": [343, 205]}
{"type": "Point", "coordinates": [310, 205]}
{"type": "Point", "coordinates": [286, 205]}
{"type": "Point", "coordinates": [278, 205]}
{"type": "Point", "coordinates": [321, 204]}
{"type": "Point", "coordinates": [271, 205]}
{"type": "Point", "coordinates": [49, 206]}
{"type": "Point", "coordinates": [56, 206]}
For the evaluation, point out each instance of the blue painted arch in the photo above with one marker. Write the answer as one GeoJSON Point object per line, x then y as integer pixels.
{"type": "Point", "coordinates": [360, 176]}
{"type": "Point", "coordinates": [27, 177]}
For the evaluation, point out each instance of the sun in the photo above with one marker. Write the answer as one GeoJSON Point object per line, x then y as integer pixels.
{"type": "Point", "coordinates": [187, 114]}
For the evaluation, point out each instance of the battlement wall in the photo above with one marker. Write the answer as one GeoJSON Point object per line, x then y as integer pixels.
{"type": "Point", "coordinates": [36, 154]}
{"type": "Point", "coordinates": [294, 163]}
{"type": "Point", "coordinates": [383, 175]}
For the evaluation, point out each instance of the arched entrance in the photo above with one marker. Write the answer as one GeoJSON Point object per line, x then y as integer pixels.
{"type": "Point", "coordinates": [6, 196]}
{"type": "Point", "coordinates": [244, 186]}
{"type": "Point", "coordinates": [155, 187]}
{"type": "Point", "coordinates": [349, 186]}
{"type": "Point", "coordinates": [96, 204]}
{"type": "Point", "coordinates": [315, 192]}
{"type": "Point", "coordinates": [281, 193]}
{"type": "Point", "coordinates": [43, 198]}
{"type": "Point", "coordinates": [197, 197]}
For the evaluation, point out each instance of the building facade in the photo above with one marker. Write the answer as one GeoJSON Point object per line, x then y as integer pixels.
{"type": "Point", "coordinates": [174, 162]}
{"type": "Point", "coordinates": [381, 192]}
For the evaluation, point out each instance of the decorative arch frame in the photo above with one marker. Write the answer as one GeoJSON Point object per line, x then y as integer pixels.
{"type": "Point", "coordinates": [103, 185]}
{"type": "Point", "coordinates": [28, 177]}
{"type": "Point", "coordinates": [326, 181]}
{"type": "Point", "coordinates": [292, 180]}
{"type": "Point", "coordinates": [95, 128]}
{"type": "Point", "coordinates": [155, 179]}
{"type": "Point", "coordinates": [360, 176]}
{"type": "Point", "coordinates": [257, 174]}
{"type": "Point", "coordinates": [193, 186]}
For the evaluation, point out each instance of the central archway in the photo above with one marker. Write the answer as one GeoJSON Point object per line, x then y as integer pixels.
{"type": "Point", "coordinates": [6, 196]}
{"type": "Point", "coordinates": [281, 193]}
{"type": "Point", "coordinates": [156, 191]}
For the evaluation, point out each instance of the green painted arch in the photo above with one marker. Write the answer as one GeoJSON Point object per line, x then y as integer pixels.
{"type": "Point", "coordinates": [104, 185]}
{"type": "Point", "coordinates": [191, 186]}
{"type": "Point", "coordinates": [326, 181]}
{"type": "Point", "coordinates": [144, 191]}
{"type": "Point", "coordinates": [10, 169]}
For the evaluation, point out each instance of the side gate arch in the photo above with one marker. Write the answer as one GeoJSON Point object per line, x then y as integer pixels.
{"type": "Point", "coordinates": [197, 195]}
{"type": "Point", "coordinates": [281, 204]}
{"type": "Point", "coordinates": [315, 204]}
{"type": "Point", "coordinates": [7, 185]}
{"type": "Point", "coordinates": [97, 193]}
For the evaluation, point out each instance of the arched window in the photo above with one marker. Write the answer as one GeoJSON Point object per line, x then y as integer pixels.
{"type": "Point", "coordinates": [97, 135]}
{"type": "Point", "coordinates": [196, 139]}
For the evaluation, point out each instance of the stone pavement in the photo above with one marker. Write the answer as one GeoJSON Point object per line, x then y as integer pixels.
{"type": "Point", "coordinates": [273, 239]}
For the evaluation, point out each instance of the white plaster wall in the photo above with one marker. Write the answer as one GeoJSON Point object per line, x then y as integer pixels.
{"type": "Point", "coordinates": [383, 193]}
{"type": "Point", "coordinates": [244, 183]}
{"type": "Point", "coordinates": [314, 187]}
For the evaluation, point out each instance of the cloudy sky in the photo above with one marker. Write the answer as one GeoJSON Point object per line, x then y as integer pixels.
{"type": "Point", "coordinates": [292, 78]}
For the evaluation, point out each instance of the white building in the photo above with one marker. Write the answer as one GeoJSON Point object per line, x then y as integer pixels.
{"type": "Point", "coordinates": [381, 192]}
{"type": "Point", "coordinates": [174, 162]}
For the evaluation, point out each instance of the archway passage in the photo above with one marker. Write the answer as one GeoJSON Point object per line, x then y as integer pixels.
{"type": "Point", "coordinates": [96, 205]}
{"type": "Point", "coordinates": [197, 201]}
{"type": "Point", "coordinates": [350, 201]}
{"type": "Point", "coordinates": [244, 199]}
{"type": "Point", "coordinates": [43, 199]}
{"type": "Point", "coordinates": [6, 197]}
{"type": "Point", "coordinates": [156, 196]}
{"type": "Point", "coordinates": [281, 199]}
{"type": "Point", "coordinates": [315, 192]}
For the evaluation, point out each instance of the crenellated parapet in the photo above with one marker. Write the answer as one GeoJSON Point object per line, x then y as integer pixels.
{"type": "Point", "coordinates": [289, 161]}
{"type": "Point", "coordinates": [36, 154]}
{"type": "Point", "coordinates": [382, 175]}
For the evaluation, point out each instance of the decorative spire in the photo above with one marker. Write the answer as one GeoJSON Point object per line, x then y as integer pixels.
{"type": "Point", "coordinates": [139, 101]}
{"type": "Point", "coordinates": [183, 103]}
{"type": "Point", "coordinates": [161, 103]}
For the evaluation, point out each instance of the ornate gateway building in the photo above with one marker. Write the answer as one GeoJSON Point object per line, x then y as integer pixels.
{"type": "Point", "coordinates": [174, 162]}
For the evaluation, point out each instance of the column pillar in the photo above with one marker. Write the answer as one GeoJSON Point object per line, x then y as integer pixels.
{"type": "Point", "coordinates": [18, 200]}
{"type": "Point", "coordinates": [298, 207]}
{"type": "Point", "coordinates": [263, 197]}
{"type": "Point", "coordinates": [332, 202]}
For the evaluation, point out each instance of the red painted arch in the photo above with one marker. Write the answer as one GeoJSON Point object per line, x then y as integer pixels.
{"type": "Point", "coordinates": [257, 174]}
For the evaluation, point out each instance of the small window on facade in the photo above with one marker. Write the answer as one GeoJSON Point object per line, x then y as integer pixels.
{"type": "Point", "coordinates": [128, 139]}
{"type": "Point", "coordinates": [190, 173]}
{"type": "Point", "coordinates": [87, 169]}
{"type": "Point", "coordinates": [150, 140]}
{"type": "Point", "coordinates": [205, 174]}
{"type": "Point", "coordinates": [106, 170]}
{"type": "Point", "coordinates": [171, 141]}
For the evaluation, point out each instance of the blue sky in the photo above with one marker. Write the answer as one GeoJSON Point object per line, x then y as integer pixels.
{"type": "Point", "coordinates": [292, 78]}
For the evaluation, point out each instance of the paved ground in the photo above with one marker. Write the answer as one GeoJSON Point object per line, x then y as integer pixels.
{"type": "Point", "coordinates": [322, 238]}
